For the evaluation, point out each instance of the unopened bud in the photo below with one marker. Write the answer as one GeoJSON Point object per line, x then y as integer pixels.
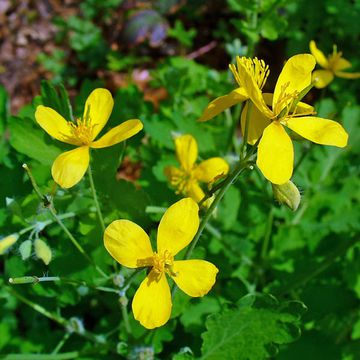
{"type": "Point", "coordinates": [287, 194]}
{"type": "Point", "coordinates": [7, 242]}
{"type": "Point", "coordinates": [42, 251]}
{"type": "Point", "coordinates": [75, 325]}
{"type": "Point", "coordinates": [123, 300]}
{"type": "Point", "coordinates": [119, 280]}
{"type": "Point", "coordinates": [25, 249]}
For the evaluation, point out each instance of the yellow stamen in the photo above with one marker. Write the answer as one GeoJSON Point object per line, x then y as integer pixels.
{"type": "Point", "coordinates": [257, 68]}
{"type": "Point", "coordinates": [82, 131]}
{"type": "Point", "coordinates": [164, 262]}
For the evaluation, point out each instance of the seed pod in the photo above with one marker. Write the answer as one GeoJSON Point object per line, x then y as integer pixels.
{"type": "Point", "coordinates": [287, 194]}
{"type": "Point", "coordinates": [42, 251]}
{"type": "Point", "coordinates": [25, 249]}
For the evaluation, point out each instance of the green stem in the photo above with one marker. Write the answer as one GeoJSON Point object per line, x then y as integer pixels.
{"type": "Point", "coordinates": [35, 279]}
{"type": "Point", "coordinates": [246, 131]}
{"type": "Point", "coordinates": [44, 224]}
{"type": "Point", "coordinates": [96, 201]}
{"type": "Point", "coordinates": [52, 316]}
{"type": "Point", "coordinates": [267, 237]}
{"type": "Point", "coordinates": [125, 316]}
{"type": "Point", "coordinates": [50, 207]}
{"type": "Point", "coordinates": [63, 356]}
{"type": "Point", "coordinates": [242, 166]}
{"type": "Point", "coordinates": [61, 343]}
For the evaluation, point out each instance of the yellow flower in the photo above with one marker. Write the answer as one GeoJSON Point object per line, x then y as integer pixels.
{"type": "Point", "coordinates": [333, 65]}
{"type": "Point", "coordinates": [69, 167]}
{"type": "Point", "coordinates": [128, 244]}
{"type": "Point", "coordinates": [186, 178]}
{"type": "Point", "coordinates": [275, 151]}
{"type": "Point", "coordinates": [7, 242]}
{"type": "Point", "coordinates": [260, 74]}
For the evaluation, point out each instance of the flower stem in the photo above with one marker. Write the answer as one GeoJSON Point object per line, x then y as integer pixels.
{"type": "Point", "coordinates": [50, 207]}
{"type": "Point", "coordinates": [96, 201]}
{"type": "Point", "coordinates": [61, 343]}
{"type": "Point", "coordinates": [240, 168]}
{"type": "Point", "coordinates": [246, 130]}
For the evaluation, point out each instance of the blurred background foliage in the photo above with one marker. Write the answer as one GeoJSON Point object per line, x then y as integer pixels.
{"type": "Point", "coordinates": [164, 60]}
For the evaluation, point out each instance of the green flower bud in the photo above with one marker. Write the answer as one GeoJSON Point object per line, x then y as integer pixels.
{"type": "Point", "coordinates": [25, 249]}
{"type": "Point", "coordinates": [7, 242]}
{"type": "Point", "coordinates": [42, 251]}
{"type": "Point", "coordinates": [287, 194]}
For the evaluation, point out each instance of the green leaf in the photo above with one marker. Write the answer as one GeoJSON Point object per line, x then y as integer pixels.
{"type": "Point", "coordinates": [56, 98]}
{"type": "Point", "coordinates": [254, 330]}
{"type": "Point", "coordinates": [28, 140]}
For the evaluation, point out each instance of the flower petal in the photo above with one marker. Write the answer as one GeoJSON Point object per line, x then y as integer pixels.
{"type": "Point", "coordinates": [70, 166]}
{"type": "Point", "coordinates": [128, 244]}
{"type": "Point", "coordinates": [258, 123]}
{"type": "Point", "coordinates": [341, 64]}
{"type": "Point", "coordinates": [318, 55]}
{"type": "Point", "coordinates": [54, 124]}
{"type": "Point", "coordinates": [186, 151]}
{"type": "Point", "coordinates": [223, 102]}
{"type": "Point", "coordinates": [178, 226]}
{"type": "Point", "coordinates": [209, 169]}
{"type": "Point", "coordinates": [252, 89]}
{"type": "Point", "coordinates": [98, 108]}
{"type": "Point", "coordinates": [194, 277]}
{"type": "Point", "coordinates": [276, 154]}
{"type": "Point", "coordinates": [152, 301]}
{"type": "Point", "coordinates": [295, 76]}
{"type": "Point", "coordinates": [348, 75]}
{"type": "Point", "coordinates": [322, 78]}
{"type": "Point", "coordinates": [7, 242]}
{"type": "Point", "coordinates": [119, 133]}
{"type": "Point", "coordinates": [319, 130]}
{"type": "Point", "coordinates": [195, 191]}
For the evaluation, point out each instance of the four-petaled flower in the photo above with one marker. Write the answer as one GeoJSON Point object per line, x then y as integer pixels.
{"type": "Point", "coordinates": [186, 178]}
{"type": "Point", "coordinates": [69, 167]}
{"type": "Point", "coordinates": [130, 246]}
{"type": "Point", "coordinates": [333, 65]}
{"type": "Point", "coordinates": [275, 156]}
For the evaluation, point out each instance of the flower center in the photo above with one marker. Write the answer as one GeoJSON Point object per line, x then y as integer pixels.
{"type": "Point", "coordinates": [82, 131]}
{"type": "Point", "coordinates": [163, 263]}
{"type": "Point", "coordinates": [182, 181]}
{"type": "Point", "coordinates": [257, 69]}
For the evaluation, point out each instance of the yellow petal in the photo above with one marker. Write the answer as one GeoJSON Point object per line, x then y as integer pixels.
{"type": "Point", "coordinates": [152, 301]}
{"type": "Point", "coordinates": [294, 77]}
{"type": "Point", "coordinates": [69, 167]}
{"type": "Point", "coordinates": [276, 154]}
{"type": "Point", "coordinates": [252, 89]}
{"type": "Point", "coordinates": [54, 124]}
{"type": "Point", "coordinates": [223, 102]}
{"type": "Point", "coordinates": [97, 109]}
{"type": "Point", "coordinates": [257, 123]}
{"type": "Point", "coordinates": [322, 78]}
{"type": "Point", "coordinates": [119, 133]}
{"type": "Point", "coordinates": [341, 64]}
{"type": "Point", "coordinates": [210, 169]}
{"type": "Point", "coordinates": [302, 108]}
{"type": "Point", "coordinates": [7, 241]}
{"type": "Point", "coordinates": [186, 151]}
{"type": "Point", "coordinates": [173, 174]}
{"type": "Point", "coordinates": [319, 130]}
{"type": "Point", "coordinates": [128, 244]}
{"type": "Point", "coordinates": [348, 75]}
{"type": "Point", "coordinates": [318, 55]}
{"type": "Point", "coordinates": [194, 277]}
{"type": "Point", "coordinates": [178, 226]}
{"type": "Point", "coordinates": [195, 191]}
